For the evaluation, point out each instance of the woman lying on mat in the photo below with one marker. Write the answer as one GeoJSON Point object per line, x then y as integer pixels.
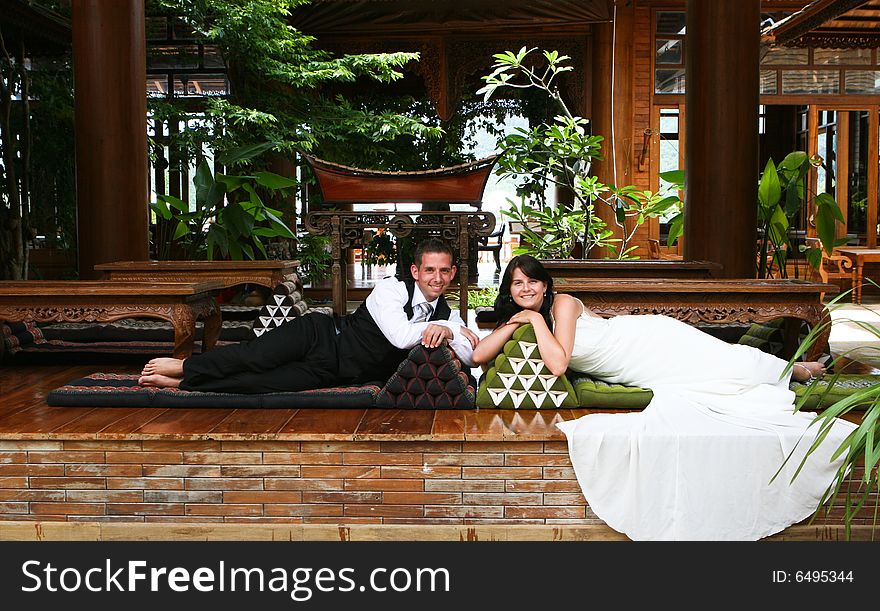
{"type": "Point", "coordinates": [698, 462]}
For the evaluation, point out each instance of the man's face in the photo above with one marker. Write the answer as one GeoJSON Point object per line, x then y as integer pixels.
{"type": "Point", "coordinates": [434, 274]}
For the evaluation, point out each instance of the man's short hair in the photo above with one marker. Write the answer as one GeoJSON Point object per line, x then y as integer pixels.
{"type": "Point", "coordinates": [431, 245]}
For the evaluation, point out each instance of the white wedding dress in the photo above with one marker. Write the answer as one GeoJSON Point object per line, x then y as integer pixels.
{"type": "Point", "coordinates": [697, 463]}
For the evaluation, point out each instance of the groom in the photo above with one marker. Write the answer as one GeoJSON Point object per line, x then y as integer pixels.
{"type": "Point", "coordinates": [310, 352]}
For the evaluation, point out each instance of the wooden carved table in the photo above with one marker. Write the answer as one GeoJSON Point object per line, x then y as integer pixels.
{"type": "Point", "coordinates": [859, 257]}
{"type": "Point", "coordinates": [180, 303]}
{"type": "Point", "coordinates": [636, 268]}
{"type": "Point", "coordinates": [228, 273]}
{"type": "Point", "coordinates": [711, 301]}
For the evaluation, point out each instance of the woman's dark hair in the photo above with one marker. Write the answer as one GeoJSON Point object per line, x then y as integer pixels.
{"type": "Point", "coordinates": [505, 307]}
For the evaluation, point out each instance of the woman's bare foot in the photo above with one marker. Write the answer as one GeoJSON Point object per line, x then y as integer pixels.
{"type": "Point", "coordinates": [164, 367]}
{"type": "Point", "coordinates": [159, 381]}
{"type": "Point", "coordinates": [804, 372]}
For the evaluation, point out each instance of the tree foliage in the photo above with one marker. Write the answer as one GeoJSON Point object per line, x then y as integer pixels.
{"type": "Point", "coordinates": [279, 80]}
{"type": "Point", "coordinates": [560, 152]}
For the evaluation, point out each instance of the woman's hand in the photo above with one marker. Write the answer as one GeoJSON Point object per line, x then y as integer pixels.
{"type": "Point", "coordinates": [524, 317]}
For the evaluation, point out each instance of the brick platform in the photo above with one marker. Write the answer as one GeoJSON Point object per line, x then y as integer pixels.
{"type": "Point", "coordinates": [369, 482]}
{"type": "Point", "coordinates": [353, 474]}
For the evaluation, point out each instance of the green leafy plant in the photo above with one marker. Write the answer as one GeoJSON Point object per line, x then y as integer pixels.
{"type": "Point", "coordinates": [313, 254]}
{"type": "Point", "coordinates": [781, 195]}
{"type": "Point", "coordinates": [229, 218]}
{"type": "Point", "coordinates": [860, 451]}
{"type": "Point", "coordinates": [560, 152]}
{"type": "Point", "coordinates": [484, 297]}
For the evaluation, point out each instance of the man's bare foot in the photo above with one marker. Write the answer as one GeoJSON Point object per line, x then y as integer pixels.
{"type": "Point", "coordinates": [159, 381]}
{"type": "Point", "coordinates": [164, 367]}
{"type": "Point", "coordinates": [804, 372]}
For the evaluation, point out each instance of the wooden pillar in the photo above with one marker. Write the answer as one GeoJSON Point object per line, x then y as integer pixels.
{"type": "Point", "coordinates": [612, 97]}
{"type": "Point", "coordinates": [873, 162]}
{"type": "Point", "coordinates": [109, 53]}
{"type": "Point", "coordinates": [721, 64]}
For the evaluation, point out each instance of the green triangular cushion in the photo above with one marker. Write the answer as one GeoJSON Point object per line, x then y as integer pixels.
{"type": "Point", "coordinates": [828, 390]}
{"type": "Point", "coordinates": [596, 393]}
{"type": "Point", "coordinates": [518, 379]}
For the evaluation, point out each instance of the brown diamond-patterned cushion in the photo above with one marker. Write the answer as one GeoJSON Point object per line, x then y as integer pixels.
{"type": "Point", "coordinates": [429, 378]}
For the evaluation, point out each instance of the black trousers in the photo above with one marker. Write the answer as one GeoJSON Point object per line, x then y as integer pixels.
{"type": "Point", "coordinates": [299, 355]}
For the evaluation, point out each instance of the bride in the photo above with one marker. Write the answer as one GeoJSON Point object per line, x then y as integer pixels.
{"type": "Point", "coordinates": [698, 462]}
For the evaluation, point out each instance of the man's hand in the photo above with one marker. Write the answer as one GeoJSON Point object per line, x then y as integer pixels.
{"type": "Point", "coordinates": [471, 336]}
{"type": "Point", "coordinates": [434, 335]}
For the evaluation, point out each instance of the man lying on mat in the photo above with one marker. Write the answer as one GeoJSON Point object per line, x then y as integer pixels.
{"type": "Point", "coordinates": [309, 352]}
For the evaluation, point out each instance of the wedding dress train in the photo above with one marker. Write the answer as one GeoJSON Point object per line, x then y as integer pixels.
{"type": "Point", "coordinates": [697, 463]}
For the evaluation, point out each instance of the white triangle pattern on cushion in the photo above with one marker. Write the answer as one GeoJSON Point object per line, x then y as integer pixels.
{"type": "Point", "coordinates": [507, 379]}
{"type": "Point", "coordinates": [547, 380]}
{"type": "Point", "coordinates": [497, 395]}
{"type": "Point", "coordinates": [537, 397]}
{"type": "Point", "coordinates": [516, 364]}
{"type": "Point", "coordinates": [527, 382]}
{"type": "Point", "coordinates": [558, 396]}
{"type": "Point", "coordinates": [517, 396]}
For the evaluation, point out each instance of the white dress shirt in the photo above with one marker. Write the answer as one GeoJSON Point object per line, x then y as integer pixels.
{"type": "Point", "coordinates": [385, 305]}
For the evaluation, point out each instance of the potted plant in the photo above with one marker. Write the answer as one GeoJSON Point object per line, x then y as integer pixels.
{"type": "Point", "coordinates": [781, 194]}
{"type": "Point", "coordinates": [560, 152]}
{"type": "Point", "coordinates": [228, 218]}
{"type": "Point", "coordinates": [313, 254]}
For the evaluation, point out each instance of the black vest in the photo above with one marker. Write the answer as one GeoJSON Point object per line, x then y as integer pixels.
{"type": "Point", "coordinates": [364, 353]}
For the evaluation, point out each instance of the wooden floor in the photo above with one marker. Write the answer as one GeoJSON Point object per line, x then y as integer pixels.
{"type": "Point", "coordinates": [296, 474]}
{"type": "Point", "coordinates": [24, 414]}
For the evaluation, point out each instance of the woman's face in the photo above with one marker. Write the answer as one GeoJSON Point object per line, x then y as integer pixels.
{"type": "Point", "coordinates": [527, 293]}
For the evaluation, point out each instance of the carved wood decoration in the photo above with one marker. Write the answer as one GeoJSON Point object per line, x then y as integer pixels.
{"type": "Point", "coordinates": [345, 229]}
{"type": "Point", "coordinates": [710, 302]}
{"type": "Point", "coordinates": [181, 304]}
{"type": "Point", "coordinates": [862, 40]}
{"type": "Point", "coordinates": [834, 24]}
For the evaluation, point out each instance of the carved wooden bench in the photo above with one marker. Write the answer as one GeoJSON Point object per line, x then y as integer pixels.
{"type": "Point", "coordinates": [711, 302]}
{"type": "Point", "coordinates": [180, 303]}
{"type": "Point", "coordinates": [229, 273]}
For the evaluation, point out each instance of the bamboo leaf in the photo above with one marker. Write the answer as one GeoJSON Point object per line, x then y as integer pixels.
{"type": "Point", "coordinates": [274, 181]}
{"type": "Point", "coordinates": [243, 153]}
